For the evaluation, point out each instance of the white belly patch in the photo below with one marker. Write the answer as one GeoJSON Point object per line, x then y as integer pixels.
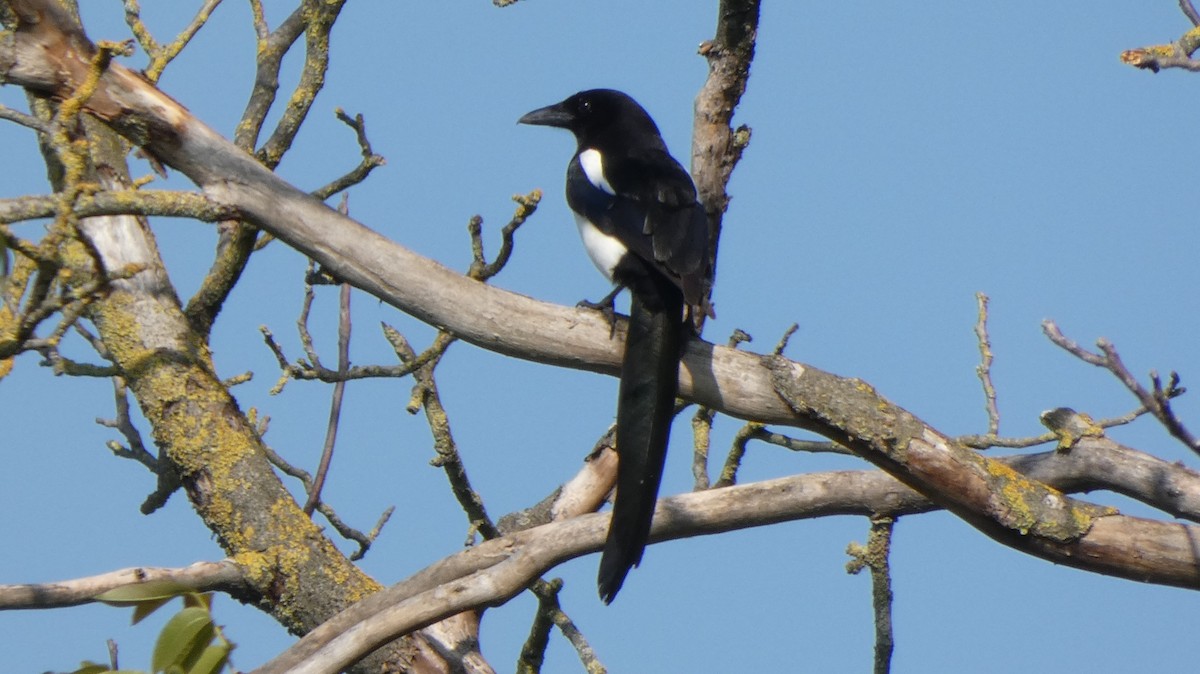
{"type": "Point", "coordinates": [605, 250]}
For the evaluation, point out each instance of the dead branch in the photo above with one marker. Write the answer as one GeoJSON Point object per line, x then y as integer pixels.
{"type": "Point", "coordinates": [1177, 54]}
{"type": "Point", "coordinates": [496, 570]}
{"type": "Point", "coordinates": [716, 146]}
{"type": "Point", "coordinates": [223, 576]}
{"type": "Point", "coordinates": [1156, 400]}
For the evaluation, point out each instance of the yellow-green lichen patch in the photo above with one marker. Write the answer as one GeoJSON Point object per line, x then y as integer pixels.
{"type": "Point", "coordinates": [1032, 507]}
{"type": "Point", "coordinates": [1019, 496]}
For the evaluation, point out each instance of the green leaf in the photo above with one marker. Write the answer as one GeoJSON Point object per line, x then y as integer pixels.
{"type": "Point", "coordinates": [184, 636]}
{"type": "Point", "coordinates": [136, 593]}
{"type": "Point", "coordinates": [212, 660]}
{"type": "Point", "coordinates": [143, 609]}
{"type": "Point", "coordinates": [203, 600]}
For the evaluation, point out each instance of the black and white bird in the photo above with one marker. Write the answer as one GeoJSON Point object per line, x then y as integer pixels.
{"type": "Point", "coordinates": [639, 219]}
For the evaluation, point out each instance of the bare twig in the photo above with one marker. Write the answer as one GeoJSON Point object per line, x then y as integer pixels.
{"type": "Point", "coordinates": [370, 160]}
{"type": "Point", "coordinates": [782, 345]}
{"type": "Point", "coordinates": [989, 441]}
{"type": "Point", "coordinates": [1176, 54]}
{"type": "Point", "coordinates": [25, 120]}
{"type": "Point", "coordinates": [335, 404]}
{"type": "Point", "coordinates": [984, 369]}
{"type": "Point", "coordinates": [533, 651]}
{"type": "Point", "coordinates": [225, 576]}
{"type": "Point", "coordinates": [344, 530]}
{"type": "Point", "coordinates": [549, 614]}
{"type": "Point", "coordinates": [167, 478]}
{"type": "Point", "coordinates": [425, 396]}
{"type": "Point", "coordinates": [339, 387]}
{"type": "Point", "coordinates": [737, 451]}
{"type": "Point", "coordinates": [812, 446]}
{"type": "Point", "coordinates": [481, 269]}
{"type": "Point", "coordinates": [122, 423]}
{"type": "Point", "coordinates": [702, 423]}
{"type": "Point", "coordinates": [310, 368]}
{"type": "Point", "coordinates": [122, 202]}
{"type": "Point", "coordinates": [1190, 12]}
{"type": "Point", "coordinates": [875, 556]}
{"type": "Point", "coordinates": [161, 56]}
{"type": "Point", "coordinates": [1157, 400]}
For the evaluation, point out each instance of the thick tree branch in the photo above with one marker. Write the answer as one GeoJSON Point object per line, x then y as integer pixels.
{"type": "Point", "coordinates": [492, 572]}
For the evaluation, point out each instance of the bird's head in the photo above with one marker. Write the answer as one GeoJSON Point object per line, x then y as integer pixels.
{"type": "Point", "coordinates": [594, 114]}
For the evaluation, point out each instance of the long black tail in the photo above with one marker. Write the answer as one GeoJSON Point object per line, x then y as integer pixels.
{"type": "Point", "coordinates": [649, 382]}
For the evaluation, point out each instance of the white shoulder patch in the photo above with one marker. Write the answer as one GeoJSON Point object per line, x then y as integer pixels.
{"type": "Point", "coordinates": [593, 168]}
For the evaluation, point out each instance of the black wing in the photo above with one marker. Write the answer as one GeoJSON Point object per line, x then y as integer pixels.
{"type": "Point", "coordinates": [654, 213]}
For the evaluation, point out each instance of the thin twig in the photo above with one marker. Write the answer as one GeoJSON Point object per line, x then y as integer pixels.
{"type": "Point", "coordinates": [425, 396]}
{"type": "Point", "coordinates": [1157, 401]}
{"type": "Point", "coordinates": [167, 478]}
{"type": "Point", "coordinates": [783, 341]}
{"type": "Point", "coordinates": [344, 530]}
{"type": "Point", "coordinates": [161, 56]}
{"type": "Point", "coordinates": [737, 452]}
{"type": "Point", "coordinates": [339, 387]}
{"type": "Point", "coordinates": [335, 405]}
{"type": "Point", "coordinates": [1177, 54]}
{"type": "Point", "coordinates": [875, 556]}
{"type": "Point", "coordinates": [25, 120]}
{"type": "Point", "coordinates": [533, 651]}
{"type": "Point", "coordinates": [702, 423]}
{"type": "Point", "coordinates": [984, 369]}
{"type": "Point", "coordinates": [550, 613]}
{"type": "Point", "coordinates": [123, 423]}
{"type": "Point", "coordinates": [370, 160]}
{"type": "Point", "coordinates": [481, 269]}
{"type": "Point", "coordinates": [790, 443]}
{"type": "Point", "coordinates": [304, 370]}
{"type": "Point", "coordinates": [1190, 12]}
{"type": "Point", "coordinates": [991, 441]}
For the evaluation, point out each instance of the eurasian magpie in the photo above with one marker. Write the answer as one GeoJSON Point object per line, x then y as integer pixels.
{"type": "Point", "coordinates": [639, 219]}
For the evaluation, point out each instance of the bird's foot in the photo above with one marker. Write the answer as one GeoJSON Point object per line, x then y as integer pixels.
{"type": "Point", "coordinates": [606, 307]}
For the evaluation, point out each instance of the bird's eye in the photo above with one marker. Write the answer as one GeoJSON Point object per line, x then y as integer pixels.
{"type": "Point", "coordinates": [585, 106]}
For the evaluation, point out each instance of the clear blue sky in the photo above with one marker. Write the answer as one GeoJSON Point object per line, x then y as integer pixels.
{"type": "Point", "coordinates": [905, 156]}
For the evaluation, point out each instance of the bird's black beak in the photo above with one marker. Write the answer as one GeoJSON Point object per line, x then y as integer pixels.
{"type": "Point", "coordinates": [551, 115]}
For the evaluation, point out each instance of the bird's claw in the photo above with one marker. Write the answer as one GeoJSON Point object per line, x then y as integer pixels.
{"type": "Point", "coordinates": [606, 307]}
